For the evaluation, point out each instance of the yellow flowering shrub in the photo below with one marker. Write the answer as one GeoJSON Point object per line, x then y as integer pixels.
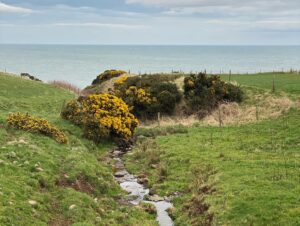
{"type": "Point", "coordinates": [102, 115]}
{"type": "Point", "coordinates": [138, 94]}
{"type": "Point", "coordinates": [106, 75]}
{"type": "Point", "coordinates": [120, 81]}
{"type": "Point", "coordinates": [36, 125]}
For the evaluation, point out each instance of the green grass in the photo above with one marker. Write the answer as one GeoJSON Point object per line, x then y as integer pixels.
{"type": "Point", "coordinates": [286, 82]}
{"type": "Point", "coordinates": [31, 166]}
{"type": "Point", "coordinates": [256, 166]}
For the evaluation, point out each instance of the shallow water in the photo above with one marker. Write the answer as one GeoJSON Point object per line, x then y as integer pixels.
{"type": "Point", "coordinates": [137, 193]}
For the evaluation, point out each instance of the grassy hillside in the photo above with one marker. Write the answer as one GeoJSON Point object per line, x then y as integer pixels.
{"type": "Point", "coordinates": [46, 183]}
{"type": "Point", "coordinates": [236, 175]}
{"type": "Point", "coordinates": [287, 82]}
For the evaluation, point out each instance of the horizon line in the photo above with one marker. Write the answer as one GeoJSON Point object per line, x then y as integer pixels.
{"type": "Point", "coordinates": [126, 44]}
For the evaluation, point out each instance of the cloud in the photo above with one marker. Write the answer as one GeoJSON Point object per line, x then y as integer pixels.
{"type": "Point", "coordinates": [4, 8]}
{"type": "Point", "coordinates": [223, 7]}
{"type": "Point", "coordinates": [104, 25]}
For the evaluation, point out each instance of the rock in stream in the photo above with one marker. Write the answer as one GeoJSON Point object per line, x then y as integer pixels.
{"type": "Point", "coordinates": [137, 191]}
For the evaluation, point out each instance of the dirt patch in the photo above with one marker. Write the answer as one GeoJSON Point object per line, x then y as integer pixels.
{"type": "Point", "coordinates": [197, 208]}
{"type": "Point", "coordinates": [80, 184]}
{"type": "Point", "coordinates": [58, 219]}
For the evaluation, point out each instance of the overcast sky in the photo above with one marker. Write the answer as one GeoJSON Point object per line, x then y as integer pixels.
{"type": "Point", "coordinates": [201, 22]}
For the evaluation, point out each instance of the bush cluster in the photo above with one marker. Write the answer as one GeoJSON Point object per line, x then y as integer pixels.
{"type": "Point", "coordinates": [36, 125]}
{"type": "Point", "coordinates": [106, 75]}
{"type": "Point", "coordinates": [204, 92]}
{"type": "Point", "coordinates": [101, 116]}
{"type": "Point", "coordinates": [148, 94]}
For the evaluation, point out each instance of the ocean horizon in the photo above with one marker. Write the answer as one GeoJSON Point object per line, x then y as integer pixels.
{"type": "Point", "coordinates": [80, 64]}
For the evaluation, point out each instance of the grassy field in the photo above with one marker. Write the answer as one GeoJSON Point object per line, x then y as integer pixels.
{"type": "Point", "coordinates": [46, 183]}
{"type": "Point", "coordinates": [286, 82]}
{"type": "Point", "coordinates": [232, 175]}
{"type": "Point", "coordinates": [242, 174]}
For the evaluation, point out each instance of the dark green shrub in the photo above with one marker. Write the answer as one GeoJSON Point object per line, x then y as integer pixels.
{"type": "Point", "coordinates": [149, 94]}
{"type": "Point", "coordinates": [234, 93]}
{"type": "Point", "coordinates": [203, 93]}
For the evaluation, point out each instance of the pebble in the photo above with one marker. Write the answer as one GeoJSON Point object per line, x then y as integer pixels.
{"type": "Point", "coordinates": [120, 173]}
{"type": "Point", "coordinates": [32, 202]}
{"type": "Point", "coordinates": [72, 207]}
{"type": "Point", "coordinates": [39, 169]}
{"type": "Point", "coordinates": [155, 198]}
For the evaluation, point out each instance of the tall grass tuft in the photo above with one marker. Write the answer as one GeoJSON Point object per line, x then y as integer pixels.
{"type": "Point", "coordinates": [66, 85]}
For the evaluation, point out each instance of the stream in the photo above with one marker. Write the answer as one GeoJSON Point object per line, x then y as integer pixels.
{"type": "Point", "coordinates": [137, 191]}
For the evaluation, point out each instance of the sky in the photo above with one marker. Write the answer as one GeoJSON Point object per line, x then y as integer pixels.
{"type": "Point", "coordinates": [150, 22]}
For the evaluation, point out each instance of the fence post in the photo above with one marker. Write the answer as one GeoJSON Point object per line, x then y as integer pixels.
{"type": "Point", "coordinates": [220, 117]}
{"type": "Point", "coordinates": [273, 85]}
{"type": "Point", "coordinates": [158, 118]}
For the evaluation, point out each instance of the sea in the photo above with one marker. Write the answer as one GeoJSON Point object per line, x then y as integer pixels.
{"type": "Point", "coordinates": [80, 64]}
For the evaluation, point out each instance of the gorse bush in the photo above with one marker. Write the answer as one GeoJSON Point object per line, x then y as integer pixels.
{"type": "Point", "coordinates": [106, 75]}
{"type": "Point", "coordinates": [148, 94]}
{"type": "Point", "coordinates": [101, 116]}
{"type": "Point", "coordinates": [36, 125]}
{"type": "Point", "coordinates": [204, 92]}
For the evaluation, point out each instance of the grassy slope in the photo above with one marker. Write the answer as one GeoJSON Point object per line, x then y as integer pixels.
{"type": "Point", "coordinates": [287, 82]}
{"type": "Point", "coordinates": [22, 154]}
{"type": "Point", "coordinates": [257, 165]}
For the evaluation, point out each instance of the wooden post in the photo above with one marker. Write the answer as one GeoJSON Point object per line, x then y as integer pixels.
{"type": "Point", "coordinates": [229, 76]}
{"type": "Point", "coordinates": [257, 116]}
{"type": "Point", "coordinates": [220, 117]}
{"type": "Point", "coordinates": [273, 85]}
{"type": "Point", "coordinates": [158, 118]}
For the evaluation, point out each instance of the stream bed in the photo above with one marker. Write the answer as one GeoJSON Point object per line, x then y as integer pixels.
{"type": "Point", "coordinates": [137, 191]}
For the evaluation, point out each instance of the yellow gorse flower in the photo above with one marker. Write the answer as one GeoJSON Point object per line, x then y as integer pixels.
{"type": "Point", "coordinates": [103, 114]}
{"type": "Point", "coordinates": [36, 125]}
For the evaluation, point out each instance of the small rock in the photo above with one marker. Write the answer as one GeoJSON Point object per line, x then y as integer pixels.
{"type": "Point", "coordinates": [37, 164]}
{"type": "Point", "coordinates": [11, 142]}
{"type": "Point", "coordinates": [141, 175]}
{"type": "Point", "coordinates": [33, 202]}
{"type": "Point", "coordinates": [119, 165]}
{"type": "Point", "coordinates": [143, 181]}
{"type": "Point", "coordinates": [155, 198]}
{"type": "Point", "coordinates": [98, 219]}
{"type": "Point", "coordinates": [66, 176]}
{"type": "Point", "coordinates": [72, 207]}
{"type": "Point", "coordinates": [117, 153]}
{"type": "Point", "coordinates": [1, 162]}
{"type": "Point", "coordinates": [12, 154]}
{"type": "Point", "coordinates": [39, 169]}
{"type": "Point", "coordinates": [153, 166]}
{"type": "Point", "coordinates": [120, 173]}
{"type": "Point", "coordinates": [21, 141]}
{"type": "Point", "coordinates": [95, 200]}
